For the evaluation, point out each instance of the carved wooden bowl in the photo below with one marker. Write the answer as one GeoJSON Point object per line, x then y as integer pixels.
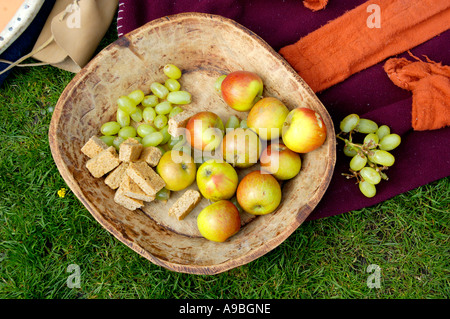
{"type": "Point", "coordinates": [204, 46]}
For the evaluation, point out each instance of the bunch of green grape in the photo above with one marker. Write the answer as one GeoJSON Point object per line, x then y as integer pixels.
{"type": "Point", "coordinates": [145, 117]}
{"type": "Point", "coordinates": [371, 156]}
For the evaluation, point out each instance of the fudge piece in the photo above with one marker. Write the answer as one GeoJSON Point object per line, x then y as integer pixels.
{"type": "Point", "coordinates": [145, 177]}
{"type": "Point", "coordinates": [179, 121]}
{"type": "Point", "coordinates": [185, 204]}
{"type": "Point", "coordinates": [103, 163]}
{"type": "Point", "coordinates": [114, 178]}
{"type": "Point", "coordinates": [126, 201]}
{"type": "Point", "coordinates": [131, 189]}
{"type": "Point", "coordinates": [130, 150]}
{"type": "Point", "coordinates": [151, 155]}
{"type": "Point", "coordinates": [93, 147]}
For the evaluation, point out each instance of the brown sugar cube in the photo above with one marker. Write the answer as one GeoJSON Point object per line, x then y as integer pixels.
{"type": "Point", "coordinates": [179, 121]}
{"type": "Point", "coordinates": [93, 147]}
{"type": "Point", "coordinates": [151, 155]}
{"type": "Point", "coordinates": [185, 204]}
{"type": "Point", "coordinates": [104, 162]}
{"type": "Point", "coordinates": [146, 178]}
{"type": "Point", "coordinates": [114, 178]}
{"type": "Point", "coordinates": [127, 202]}
{"type": "Point", "coordinates": [131, 189]}
{"type": "Point", "coordinates": [130, 151]}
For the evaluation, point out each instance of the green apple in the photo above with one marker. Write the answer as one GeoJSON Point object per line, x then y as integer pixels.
{"type": "Point", "coordinates": [241, 147]}
{"type": "Point", "coordinates": [303, 130]}
{"type": "Point", "coordinates": [280, 161]}
{"type": "Point", "coordinates": [217, 180]}
{"type": "Point", "coordinates": [259, 193]}
{"type": "Point", "coordinates": [219, 221]}
{"type": "Point", "coordinates": [241, 89]}
{"type": "Point", "coordinates": [266, 118]}
{"type": "Point", "coordinates": [205, 131]}
{"type": "Point", "coordinates": [177, 169]}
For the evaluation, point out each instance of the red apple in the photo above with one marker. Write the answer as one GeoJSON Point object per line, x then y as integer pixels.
{"type": "Point", "coordinates": [266, 117]}
{"type": "Point", "coordinates": [241, 147]}
{"type": "Point", "coordinates": [205, 131]}
{"type": "Point", "coordinates": [177, 169]}
{"type": "Point", "coordinates": [217, 180]}
{"type": "Point", "coordinates": [303, 130]}
{"type": "Point", "coordinates": [258, 193]}
{"type": "Point", "coordinates": [219, 221]}
{"type": "Point", "coordinates": [280, 161]}
{"type": "Point", "coordinates": [241, 89]}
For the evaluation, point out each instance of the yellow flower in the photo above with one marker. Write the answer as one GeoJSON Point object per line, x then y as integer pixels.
{"type": "Point", "coordinates": [62, 192]}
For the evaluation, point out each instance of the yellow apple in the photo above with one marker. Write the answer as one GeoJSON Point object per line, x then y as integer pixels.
{"type": "Point", "coordinates": [205, 131]}
{"type": "Point", "coordinates": [217, 180]}
{"type": "Point", "coordinates": [258, 193]}
{"type": "Point", "coordinates": [177, 169]}
{"type": "Point", "coordinates": [280, 161]}
{"type": "Point", "coordinates": [241, 89]}
{"type": "Point", "coordinates": [219, 221]}
{"type": "Point", "coordinates": [303, 130]}
{"type": "Point", "coordinates": [241, 147]}
{"type": "Point", "coordinates": [266, 118]}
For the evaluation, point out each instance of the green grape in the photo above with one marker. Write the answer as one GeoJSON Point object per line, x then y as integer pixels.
{"type": "Point", "coordinates": [390, 142]}
{"type": "Point", "coordinates": [127, 132]}
{"type": "Point", "coordinates": [145, 129]}
{"type": "Point", "coordinates": [126, 104]}
{"type": "Point", "coordinates": [349, 150]}
{"type": "Point", "coordinates": [137, 96]}
{"type": "Point", "coordinates": [166, 135]}
{"type": "Point", "coordinates": [162, 149]}
{"type": "Point", "coordinates": [179, 97]}
{"type": "Point", "coordinates": [138, 138]}
{"type": "Point", "coordinates": [349, 123]}
{"type": "Point", "coordinates": [150, 100]}
{"type": "Point", "coordinates": [218, 83]}
{"type": "Point", "coordinates": [232, 122]}
{"type": "Point", "coordinates": [371, 140]}
{"type": "Point", "coordinates": [163, 194]}
{"type": "Point", "coordinates": [366, 126]}
{"type": "Point", "coordinates": [381, 157]}
{"type": "Point", "coordinates": [149, 114]}
{"type": "Point", "coordinates": [172, 84]}
{"type": "Point", "coordinates": [159, 90]}
{"type": "Point", "coordinates": [110, 128]}
{"type": "Point", "coordinates": [160, 121]}
{"type": "Point", "coordinates": [117, 141]}
{"type": "Point", "coordinates": [163, 108]}
{"type": "Point", "coordinates": [175, 110]}
{"type": "Point", "coordinates": [172, 71]}
{"type": "Point", "coordinates": [243, 124]}
{"type": "Point", "coordinates": [382, 131]}
{"type": "Point", "coordinates": [122, 118]}
{"type": "Point", "coordinates": [176, 143]}
{"type": "Point", "coordinates": [370, 175]}
{"type": "Point", "coordinates": [137, 116]}
{"type": "Point", "coordinates": [358, 162]}
{"type": "Point", "coordinates": [368, 189]}
{"type": "Point", "coordinates": [108, 139]}
{"type": "Point", "coordinates": [153, 139]}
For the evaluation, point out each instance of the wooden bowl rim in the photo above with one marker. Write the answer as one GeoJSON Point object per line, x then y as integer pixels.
{"type": "Point", "coordinates": [301, 213]}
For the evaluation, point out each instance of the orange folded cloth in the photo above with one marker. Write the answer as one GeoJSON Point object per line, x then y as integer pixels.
{"type": "Point", "coordinates": [315, 5]}
{"type": "Point", "coordinates": [429, 83]}
{"type": "Point", "coordinates": [351, 43]}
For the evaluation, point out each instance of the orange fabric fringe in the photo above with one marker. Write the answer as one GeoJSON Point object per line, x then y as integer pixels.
{"type": "Point", "coordinates": [429, 83]}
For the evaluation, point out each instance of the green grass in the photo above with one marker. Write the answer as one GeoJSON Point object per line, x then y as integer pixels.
{"type": "Point", "coordinates": [42, 234]}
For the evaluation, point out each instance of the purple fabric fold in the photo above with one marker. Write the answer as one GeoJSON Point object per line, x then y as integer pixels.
{"type": "Point", "coordinates": [422, 157]}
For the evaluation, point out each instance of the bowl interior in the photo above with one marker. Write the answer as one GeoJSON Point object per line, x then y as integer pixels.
{"type": "Point", "coordinates": [204, 47]}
